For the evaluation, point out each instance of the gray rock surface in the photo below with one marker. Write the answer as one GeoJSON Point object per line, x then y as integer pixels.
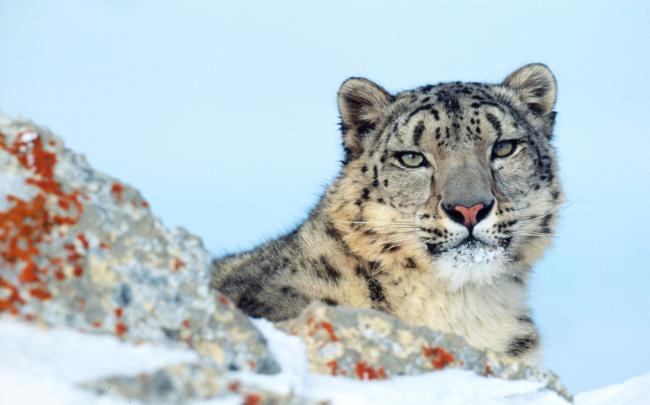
{"type": "Point", "coordinates": [80, 249]}
{"type": "Point", "coordinates": [366, 344]}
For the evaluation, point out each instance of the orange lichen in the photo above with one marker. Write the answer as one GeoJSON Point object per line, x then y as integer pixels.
{"type": "Point", "coordinates": [28, 223]}
{"type": "Point", "coordinates": [333, 365]}
{"type": "Point", "coordinates": [77, 271]}
{"type": "Point", "coordinates": [120, 329]}
{"type": "Point", "coordinates": [59, 275]}
{"type": "Point", "coordinates": [84, 242]}
{"type": "Point", "coordinates": [178, 264]}
{"type": "Point", "coordinates": [97, 324]}
{"type": "Point", "coordinates": [28, 275]}
{"type": "Point", "coordinates": [252, 399]}
{"type": "Point", "coordinates": [234, 386]}
{"type": "Point", "coordinates": [439, 357]}
{"type": "Point", "coordinates": [117, 190]}
{"type": "Point", "coordinates": [365, 372]}
{"type": "Point", "coordinates": [327, 327]}
{"type": "Point", "coordinates": [40, 293]}
{"type": "Point", "coordinates": [186, 323]}
{"type": "Point", "coordinates": [145, 204]}
{"type": "Point", "coordinates": [223, 299]}
{"type": "Point", "coordinates": [119, 312]}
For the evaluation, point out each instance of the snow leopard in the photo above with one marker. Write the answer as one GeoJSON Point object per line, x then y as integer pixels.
{"type": "Point", "coordinates": [447, 195]}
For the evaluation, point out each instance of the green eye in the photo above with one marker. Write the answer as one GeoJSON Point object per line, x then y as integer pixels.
{"type": "Point", "coordinates": [504, 149]}
{"type": "Point", "coordinates": [411, 159]}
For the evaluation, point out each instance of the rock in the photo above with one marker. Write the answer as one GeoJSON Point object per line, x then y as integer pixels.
{"type": "Point", "coordinates": [80, 249]}
{"type": "Point", "coordinates": [176, 384]}
{"type": "Point", "coordinates": [366, 344]}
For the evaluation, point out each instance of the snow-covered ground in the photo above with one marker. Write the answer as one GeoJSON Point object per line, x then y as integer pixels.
{"type": "Point", "coordinates": [44, 366]}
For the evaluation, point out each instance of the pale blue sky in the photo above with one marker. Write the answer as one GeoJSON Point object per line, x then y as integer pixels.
{"type": "Point", "coordinates": [224, 115]}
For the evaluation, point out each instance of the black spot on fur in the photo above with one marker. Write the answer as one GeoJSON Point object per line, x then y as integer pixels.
{"type": "Point", "coordinates": [522, 344]}
{"type": "Point", "coordinates": [330, 302]}
{"type": "Point", "coordinates": [525, 319]}
{"type": "Point", "coordinates": [375, 289]}
{"type": "Point", "coordinates": [417, 110]}
{"type": "Point", "coordinates": [449, 101]}
{"type": "Point", "coordinates": [375, 177]}
{"type": "Point", "coordinates": [417, 133]}
{"type": "Point", "coordinates": [496, 124]}
{"type": "Point", "coordinates": [332, 232]}
{"type": "Point", "coordinates": [253, 307]}
{"type": "Point", "coordinates": [290, 292]}
{"type": "Point", "coordinates": [348, 155]}
{"type": "Point", "coordinates": [546, 223]}
{"type": "Point", "coordinates": [410, 263]}
{"type": "Point", "coordinates": [327, 272]}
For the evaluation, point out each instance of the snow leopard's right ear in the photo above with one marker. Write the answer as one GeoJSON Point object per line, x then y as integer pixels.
{"type": "Point", "coordinates": [361, 105]}
{"type": "Point", "coordinates": [536, 87]}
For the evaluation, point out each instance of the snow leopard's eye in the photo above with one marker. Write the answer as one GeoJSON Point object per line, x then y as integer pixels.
{"type": "Point", "coordinates": [504, 149]}
{"type": "Point", "coordinates": [411, 159]}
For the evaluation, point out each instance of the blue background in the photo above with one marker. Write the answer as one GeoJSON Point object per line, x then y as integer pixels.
{"type": "Point", "coordinates": [224, 115]}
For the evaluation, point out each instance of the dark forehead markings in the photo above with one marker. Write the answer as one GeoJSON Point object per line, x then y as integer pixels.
{"type": "Point", "coordinates": [449, 101]}
{"type": "Point", "coordinates": [495, 123]}
{"type": "Point", "coordinates": [417, 110]}
{"type": "Point", "coordinates": [417, 133]}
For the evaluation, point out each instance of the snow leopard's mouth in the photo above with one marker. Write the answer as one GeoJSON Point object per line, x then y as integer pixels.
{"type": "Point", "coordinates": [468, 251]}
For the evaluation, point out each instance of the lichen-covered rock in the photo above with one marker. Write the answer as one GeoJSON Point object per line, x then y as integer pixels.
{"type": "Point", "coordinates": [367, 344]}
{"type": "Point", "coordinates": [176, 384]}
{"type": "Point", "coordinates": [81, 249]}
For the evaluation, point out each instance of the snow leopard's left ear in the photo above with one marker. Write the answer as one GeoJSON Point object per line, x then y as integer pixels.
{"type": "Point", "coordinates": [536, 87]}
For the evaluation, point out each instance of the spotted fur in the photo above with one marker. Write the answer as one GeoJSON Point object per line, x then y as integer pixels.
{"type": "Point", "coordinates": [381, 237]}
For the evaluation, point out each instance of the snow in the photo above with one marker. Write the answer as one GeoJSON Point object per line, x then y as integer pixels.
{"type": "Point", "coordinates": [44, 366]}
{"type": "Point", "coordinates": [634, 391]}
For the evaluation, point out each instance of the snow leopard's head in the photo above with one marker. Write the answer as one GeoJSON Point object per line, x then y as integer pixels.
{"type": "Point", "coordinates": [458, 177]}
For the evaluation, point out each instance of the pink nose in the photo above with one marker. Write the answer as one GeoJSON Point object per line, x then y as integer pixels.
{"type": "Point", "coordinates": [469, 214]}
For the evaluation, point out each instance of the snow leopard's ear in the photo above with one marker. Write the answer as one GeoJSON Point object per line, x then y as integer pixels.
{"type": "Point", "coordinates": [361, 105]}
{"type": "Point", "coordinates": [536, 87]}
